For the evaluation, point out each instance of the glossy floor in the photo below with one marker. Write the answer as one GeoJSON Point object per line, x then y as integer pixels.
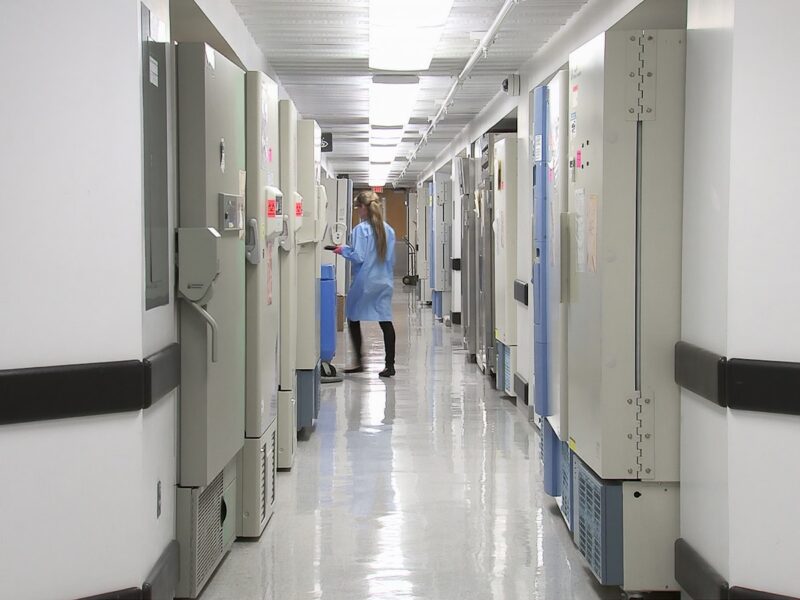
{"type": "Point", "coordinates": [427, 486]}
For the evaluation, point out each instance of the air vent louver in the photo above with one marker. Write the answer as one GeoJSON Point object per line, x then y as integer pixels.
{"type": "Point", "coordinates": [273, 465]}
{"type": "Point", "coordinates": [566, 483]}
{"type": "Point", "coordinates": [597, 517]}
{"type": "Point", "coordinates": [263, 486]}
{"type": "Point", "coordinates": [209, 531]}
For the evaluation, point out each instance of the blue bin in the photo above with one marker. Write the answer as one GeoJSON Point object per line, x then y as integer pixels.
{"type": "Point", "coordinates": [327, 307]}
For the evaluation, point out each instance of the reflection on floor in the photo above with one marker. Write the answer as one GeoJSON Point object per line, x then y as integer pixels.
{"type": "Point", "coordinates": [424, 486]}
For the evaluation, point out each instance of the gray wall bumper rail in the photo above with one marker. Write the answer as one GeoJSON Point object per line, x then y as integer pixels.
{"type": "Point", "coordinates": [127, 594]}
{"type": "Point", "coordinates": [45, 393]}
{"type": "Point", "coordinates": [162, 374]}
{"type": "Point", "coordinates": [739, 383]}
{"type": "Point", "coordinates": [163, 579]}
{"type": "Point", "coordinates": [740, 593]}
{"type": "Point", "coordinates": [700, 581]}
{"type": "Point", "coordinates": [697, 578]}
{"type": "Point", "coordinates": [521, 291]}
{"type": "Point", "coordinates": [160, 583]}
{"type": "Point", "coordinates": [701, 372]}
{"type": "Point", "coordinates": [521, 388]}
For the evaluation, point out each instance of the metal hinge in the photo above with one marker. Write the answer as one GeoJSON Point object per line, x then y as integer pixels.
{"type": "Point", "coordinates": [641, 65]}
{"type": "Point", "coordinates": [645, 444]}
{"type": "Point", "coordinates": [642, 435]}
{"type": "Point", "coordinates": [634, 404]}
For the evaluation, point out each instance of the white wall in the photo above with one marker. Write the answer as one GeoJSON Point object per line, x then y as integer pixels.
{"type": "Point", "coordinates": [84, 489]}
{"type": "Point", "coordinates": [763, 291]}
{"type": "Point", "coordinates": [740, 285]}
{"type": "Point", "coordinates": [704, 434]}
{"type": "Point", "coordinates": [74, 161]}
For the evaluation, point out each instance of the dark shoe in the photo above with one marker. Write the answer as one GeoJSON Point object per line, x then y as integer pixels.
{"type": "Point", "coordinates": [387, 372]}
{"type": "Point", "coordinates": [358, 369]}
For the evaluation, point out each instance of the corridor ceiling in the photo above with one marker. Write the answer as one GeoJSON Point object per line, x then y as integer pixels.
{"type": "Point", "coordinates": [319, 50]}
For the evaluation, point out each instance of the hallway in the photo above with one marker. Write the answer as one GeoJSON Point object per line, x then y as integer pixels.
{"type": "Point", "coordinates": [424, 486]}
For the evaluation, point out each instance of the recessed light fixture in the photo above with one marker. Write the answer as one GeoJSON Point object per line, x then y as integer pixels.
{"type": "Point", "coordinates": [379, 173]}
{"type": "Point", "coordinates": [392, 98]}
{"type": "Point", "coordinates": [385, 135]}
{"type": "Point", "coordinates": [404, 33]}
{"type": "Point", "coordinates": [382, 153]}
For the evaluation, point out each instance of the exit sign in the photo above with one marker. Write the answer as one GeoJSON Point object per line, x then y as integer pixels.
{"type": "Point", "coordinates": [377, 189]}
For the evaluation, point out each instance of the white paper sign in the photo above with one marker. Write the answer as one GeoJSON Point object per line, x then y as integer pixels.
{"type": "Point", "coordinates": [580, 230]}
{"type": "Point", "coordinates": [154, 71]}
{"type": "Point", "coordinates": [591, 233]}
{"type": "Point", "coordinates": [537, 148]}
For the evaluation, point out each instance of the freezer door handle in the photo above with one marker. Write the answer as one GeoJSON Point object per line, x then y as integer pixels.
{"type": "Point", "coordinates": [253, 242]}
{"type": "Point", "coordinates": [566, 257]}
{"type": "Point", "coordinates": [211, 322]}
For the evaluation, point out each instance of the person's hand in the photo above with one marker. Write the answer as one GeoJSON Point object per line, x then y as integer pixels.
{"type": "Point", "coordinates": [337, 250]}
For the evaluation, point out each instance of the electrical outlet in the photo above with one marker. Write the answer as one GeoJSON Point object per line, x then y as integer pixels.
{"type": "Point", "coordinates": [158, 499]}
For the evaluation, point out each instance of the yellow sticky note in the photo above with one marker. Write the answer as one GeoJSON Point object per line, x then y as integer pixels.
{"type": "Point", "coordinates": [572, 445]}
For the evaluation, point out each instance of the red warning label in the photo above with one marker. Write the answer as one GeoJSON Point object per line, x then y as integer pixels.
{"type": "Point", "coordinates": [272, 207]}
{"type": "Point", "coordinates": [298, 209]}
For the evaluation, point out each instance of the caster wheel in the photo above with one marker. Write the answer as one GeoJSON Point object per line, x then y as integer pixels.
{"type": "Point", "coordinates": [328, 370]}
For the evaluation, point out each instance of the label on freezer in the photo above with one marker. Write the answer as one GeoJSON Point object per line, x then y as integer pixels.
{"type": "Point", "coordinates": [551, 222]}
{"type": "Point", "coordinates": [272, 208]}
{"type": "Point", "coordinates": [298, 209]}
{"type": "Point", "coordinates": [591, 234]}
{"type": "Point", "coordinates": [269, 273]}
{"type": "Point", "coordinates": [266, 149]}
{"type": "Point", "coordinates": [580, 230]}
{"type": "Point", "coordinates": [537, 148]}
{"type": "Point", "coordinates": [153, 71]}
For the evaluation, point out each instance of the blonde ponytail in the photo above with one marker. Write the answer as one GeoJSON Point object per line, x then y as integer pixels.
{"type": "Point", "coordinates": [370, 200]}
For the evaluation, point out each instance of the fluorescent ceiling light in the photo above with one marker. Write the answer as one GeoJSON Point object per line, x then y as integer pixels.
{"type": "Point", "coordinates": [399, 49]}
{"type": "Point", "coordinates": [404, 34]}
{"type": "Point", "coordinates": [379, 173]}
{"type": "Point", "coordinates": [385, 135]}
{"type": "Point", "coordinates": [411, 13]}
{"type": "Point", "coordinates": [391, 99]}
{"type": "Point", "coordinates": [382, 154]}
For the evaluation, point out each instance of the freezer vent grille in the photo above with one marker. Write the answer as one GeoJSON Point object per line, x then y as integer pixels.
{"type": "Point", "coordinates": [508, 377]}
{"type": "Point", "coordinates": [566, 483]}
{"type": "Point", "coordinates": [209, 531]}
{"type": "Point", "coordinates": [541, 445]}
{"type": "Point", "coordinates": [590, 521]}
{"type": "Point", "coordinates": [273, 466]}
{"type": "Point", "coordinates": [264, 480]}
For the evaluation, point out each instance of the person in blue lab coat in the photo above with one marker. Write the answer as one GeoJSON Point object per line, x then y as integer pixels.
{"type": "Point", "coordinates": [371, 252]}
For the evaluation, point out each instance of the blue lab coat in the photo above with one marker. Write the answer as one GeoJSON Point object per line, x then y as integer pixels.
{"type": "Point", "coordinates": [370, 295]}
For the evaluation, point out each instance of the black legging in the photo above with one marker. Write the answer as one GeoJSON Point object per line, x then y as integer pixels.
{"type": "Point", "coordinates": [388, 340]}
